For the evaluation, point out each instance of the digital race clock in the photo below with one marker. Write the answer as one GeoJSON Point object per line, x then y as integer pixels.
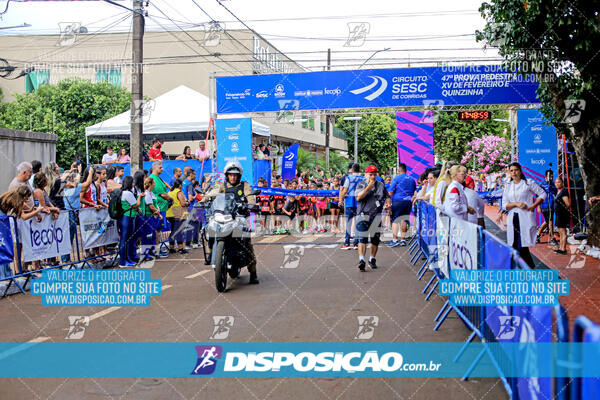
{"type": "Point", "coordinates": [474, 115]}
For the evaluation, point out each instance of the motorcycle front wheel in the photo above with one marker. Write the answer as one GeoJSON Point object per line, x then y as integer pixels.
{"type": "Point", "coordinates": [220, 267]}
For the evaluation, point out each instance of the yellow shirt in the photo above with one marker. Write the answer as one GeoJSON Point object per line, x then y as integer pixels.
{"type": "Point", "coordinates": [175, 211]}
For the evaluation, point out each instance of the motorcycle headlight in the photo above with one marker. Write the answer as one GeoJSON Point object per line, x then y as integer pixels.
{"type": "Point", "coordinates": [223, 218]}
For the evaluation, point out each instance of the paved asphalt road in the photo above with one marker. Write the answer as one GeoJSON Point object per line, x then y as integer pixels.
{"type": "Point", "coordinates": [319, 299]}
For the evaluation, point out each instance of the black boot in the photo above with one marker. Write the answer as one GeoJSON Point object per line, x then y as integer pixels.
{"type": "Point", "coordinates": [253, 279]}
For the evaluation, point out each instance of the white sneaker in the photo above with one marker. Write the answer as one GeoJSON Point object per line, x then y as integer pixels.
{"type": "Point", "coordinates": [188, 247]}
{"type": "Point", "coordinates": [195, 245]}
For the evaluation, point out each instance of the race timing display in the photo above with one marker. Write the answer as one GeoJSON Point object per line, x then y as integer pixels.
{"type": "Point", "coordinates": [474, 115]}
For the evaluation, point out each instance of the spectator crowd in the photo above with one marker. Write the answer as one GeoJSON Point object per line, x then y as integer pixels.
{"type": "Point", "coordinates": [152, 208]}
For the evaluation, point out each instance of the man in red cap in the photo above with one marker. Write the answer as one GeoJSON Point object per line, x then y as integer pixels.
{"type": "Point", "coordinates": [372, 197]}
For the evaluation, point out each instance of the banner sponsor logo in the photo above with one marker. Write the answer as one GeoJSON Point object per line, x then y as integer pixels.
{"type": "Point", "coordinates": [376, 80]}
{"type": "Point", "coordinates": [279, 90]}
{"type": "Point", "coordinates": [46, 238]}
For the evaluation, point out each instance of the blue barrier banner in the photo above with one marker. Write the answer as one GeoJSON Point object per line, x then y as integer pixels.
{"type": "Point", "coordinates": [262, 169]}
{"type": "Point", "coordinates": [431, 237]}
{"type": "Point", "coordinates": [289, 159]}
{"type": "Point", "coordinates": [234, 142]}
{"type": "Point", "coordinates": [394, 87]}
{"type": "Point", "coordinates": [500, 321]}
{"type": "Point", "coordinates": [297, 192]}
{"type": "Point", "coordinates": [201, 167]}
{"type": "Point", "coordinates": [534, 325]}
{"type": "Point", "coordinates": [590, 387]}
{"type": "Point", "coordinates": [274, 359]}
{"type": "Point", "coordinates": [7, 252]}
{"type": "Point", "coordinates": [424, 222]}
{"type": "Point", "coordinates": [537, 144]}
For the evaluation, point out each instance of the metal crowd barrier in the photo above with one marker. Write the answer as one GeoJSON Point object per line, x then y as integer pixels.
{"type": "Point", "coordinates": [501, 324]}
{"type": "Point", "coordinates": [22, 272]}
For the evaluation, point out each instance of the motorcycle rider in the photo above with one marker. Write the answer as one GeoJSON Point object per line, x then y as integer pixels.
{"type": "Point", "coordinates": [242, 191]}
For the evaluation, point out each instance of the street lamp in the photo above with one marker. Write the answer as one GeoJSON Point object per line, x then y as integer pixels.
{"type": "Point", "coordinates": [372, 55]}
{"type": "Point", "coordinates": [355, 119]}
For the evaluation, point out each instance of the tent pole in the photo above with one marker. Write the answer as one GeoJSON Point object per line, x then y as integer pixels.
{"type": "Point", "coordinates": [87, 151]}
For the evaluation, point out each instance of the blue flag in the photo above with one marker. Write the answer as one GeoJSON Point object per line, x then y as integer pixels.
{"type": "Point", "coordinates": [290, 157]}
{"type": "Point", "coordinates": [6, 242]}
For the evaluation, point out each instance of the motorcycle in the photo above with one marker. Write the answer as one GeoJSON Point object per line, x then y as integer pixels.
{"type": "Point", "coordinates": [228, 232]}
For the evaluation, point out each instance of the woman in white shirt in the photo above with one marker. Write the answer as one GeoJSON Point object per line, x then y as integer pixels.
{"type": "Point", "coordinates": [518, 201]}
{"type": "Point", "coordinates": [475, 201]}
{"type": "Point", "coordinates": [455, 201]}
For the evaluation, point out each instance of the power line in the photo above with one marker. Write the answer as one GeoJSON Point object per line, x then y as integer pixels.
{"type": "Point", "coordinates": [167, 61]}
{"type": "Point", "coordinates": [191, 37]}
{"type": "Point", "coordinates": [78, 43]}
{"type": "Point", "coordinates": [224, 30]}
{"type": "Point", "coordinates": [387, 15]}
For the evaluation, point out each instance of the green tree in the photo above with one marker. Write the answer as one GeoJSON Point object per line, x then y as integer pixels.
{"type": "Point", "coordinates": [559, 42]}
{"type": "Point", "coordinates": [452, 137]}
{"type": "Point", "coordinates": [307, 160]}
{"type": "Point", "coordinates": [76, 104]}
{"type": "Point", "coordinates": [376, 138]}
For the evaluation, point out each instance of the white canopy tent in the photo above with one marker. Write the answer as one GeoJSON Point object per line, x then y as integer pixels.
{"type": "Point", "coordinates": [180, 114]}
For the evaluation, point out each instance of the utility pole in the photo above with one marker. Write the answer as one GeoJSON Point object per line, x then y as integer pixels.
{"type": "Point", "coordinates": [137, 89]}
{"type": "Point", "coordinates": [327, 117]}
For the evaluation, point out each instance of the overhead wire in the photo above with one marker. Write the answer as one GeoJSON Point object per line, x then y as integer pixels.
{"type": "Point", "coordinates": [224, 30]}
{"type": "Point", "coordinates": [191, 37]}
{"type": "Point", "coordinates": [79, 42]}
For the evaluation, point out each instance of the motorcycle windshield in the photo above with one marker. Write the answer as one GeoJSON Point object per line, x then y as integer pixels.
{"type": "Point", "coordinates": [223, 203]}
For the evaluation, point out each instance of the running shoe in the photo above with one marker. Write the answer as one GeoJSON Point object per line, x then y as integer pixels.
{"type": "Point", "coordinates": [195, 245]}
{"type": "Point", "coordinates": [361, 265]}
{"type": "Point", "coordinates": [403, 243]}
{"type": "Point", "coordinates": [347, 247]}
{"type": "Point", "coordinates": [355, 247]}
{"type": "Point", "coordinates": [563, 252]}
{"type": "Point", "coordinates": [393, 243]}
{"type": "Point", "coordinates": [183, 251]}
{"type": "Point", "coordinates": [554, 241]}
{"type": "Point", "coordinates": [373, 264]}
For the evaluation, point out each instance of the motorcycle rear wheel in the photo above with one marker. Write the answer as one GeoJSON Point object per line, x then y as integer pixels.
{"type": "Point", "coordinates": [220, 267]}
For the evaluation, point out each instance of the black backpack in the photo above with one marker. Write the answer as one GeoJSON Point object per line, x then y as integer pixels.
{"type": "Point", "coordinates": [115, 207]}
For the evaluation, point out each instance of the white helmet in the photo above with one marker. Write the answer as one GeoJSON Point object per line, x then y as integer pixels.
{"type": "Point", "coordinates": [233, 167]}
